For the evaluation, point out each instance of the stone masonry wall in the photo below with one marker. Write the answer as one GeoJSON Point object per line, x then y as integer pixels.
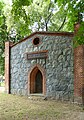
{"type": "Point", "coordinates": [58, 65]}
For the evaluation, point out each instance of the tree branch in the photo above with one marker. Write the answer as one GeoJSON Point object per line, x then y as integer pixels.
{"type": "Point", "coordinates": [49, 16]}
{"type": "Point", "coordinates": [62, 24]}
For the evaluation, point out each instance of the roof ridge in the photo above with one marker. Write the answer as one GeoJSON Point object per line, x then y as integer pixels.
{"type": "Point", "coordinates": [45, 33]}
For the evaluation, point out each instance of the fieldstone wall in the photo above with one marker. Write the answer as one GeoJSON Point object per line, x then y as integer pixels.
{"type": "Point", "coordinates": [58, 65]}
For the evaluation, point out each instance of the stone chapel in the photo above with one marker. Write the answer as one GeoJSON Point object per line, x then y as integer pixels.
{"type": "Point", "coordinates": [43, 64]}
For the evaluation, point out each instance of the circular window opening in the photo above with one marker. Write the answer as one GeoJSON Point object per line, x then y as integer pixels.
{"type": "Point", "coordinates": [36, 41]}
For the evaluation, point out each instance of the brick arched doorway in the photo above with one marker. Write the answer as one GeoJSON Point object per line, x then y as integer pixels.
{"type": "Point", "coordinates": [37, 80]}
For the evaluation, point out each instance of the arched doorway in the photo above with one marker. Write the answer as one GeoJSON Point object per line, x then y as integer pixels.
{"type": "Point", "coordinates": [36, 80]}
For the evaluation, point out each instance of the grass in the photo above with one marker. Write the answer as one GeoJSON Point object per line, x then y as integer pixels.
{"type": "Point", "coordinates": [14, 107]}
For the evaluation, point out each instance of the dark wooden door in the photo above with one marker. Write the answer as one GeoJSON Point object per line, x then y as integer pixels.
{"type": "Point", "coordinates": [38, 82]}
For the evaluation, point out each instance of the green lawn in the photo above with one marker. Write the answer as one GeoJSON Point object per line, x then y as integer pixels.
{"type": "Point", "coordinates": [14, 107]}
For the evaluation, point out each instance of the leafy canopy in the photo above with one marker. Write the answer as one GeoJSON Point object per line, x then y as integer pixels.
{"type": "Point", "coordinates": [75, 13]}
{"type": "Point", "coordinates": [27, 16]}
{"type": "Point", "coordinates": [3, 37]}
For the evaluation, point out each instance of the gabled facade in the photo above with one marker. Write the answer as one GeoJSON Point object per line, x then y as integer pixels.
{"type": "Point", "coordinates": [42, 64]}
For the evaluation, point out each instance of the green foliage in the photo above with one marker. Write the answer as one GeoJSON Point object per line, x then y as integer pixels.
{"type": "Point", "coordinates": [75, 13]}
{"type": "Point", "coordinates": [1, 15]}
{"type": "Point", "coordinates": [40, 15]}
{"type": "Point", "coordinates": [3, 38]}
{"type": "Point", "coordinates": [27, 16]}
{"type": "Point", "coordinates": [79, 38]}
{"type": "Point", "coordinates": [20, 16]}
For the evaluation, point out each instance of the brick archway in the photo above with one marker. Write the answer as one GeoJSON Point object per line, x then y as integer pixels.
{"type": "Point", "coordinates": [31, 79]}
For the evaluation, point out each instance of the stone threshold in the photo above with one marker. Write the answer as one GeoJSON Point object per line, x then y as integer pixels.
{"type": "Point", "coordinates": [36, 94]}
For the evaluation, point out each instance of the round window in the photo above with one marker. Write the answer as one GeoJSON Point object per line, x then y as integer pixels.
{"type": "Point", "coordinates": [36, 41]}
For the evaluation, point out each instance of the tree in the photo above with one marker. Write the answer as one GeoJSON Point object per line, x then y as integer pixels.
{"type": "Point", "coordinates": [40, 15]}
{"type": "Point", "coordinates": [48, 15]}
{"type": "Point", "coordinates": [21, 20]}
{"type": "Point", "coordinates": [3, 37]}
{"type": "Point", "coordinates": [75, 13]}
{"type": "Point", "coordinates": [24, 17]}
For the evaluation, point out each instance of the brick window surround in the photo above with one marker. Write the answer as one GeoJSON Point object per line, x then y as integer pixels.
{"type": "Point", "coordinates": [31, 79]}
